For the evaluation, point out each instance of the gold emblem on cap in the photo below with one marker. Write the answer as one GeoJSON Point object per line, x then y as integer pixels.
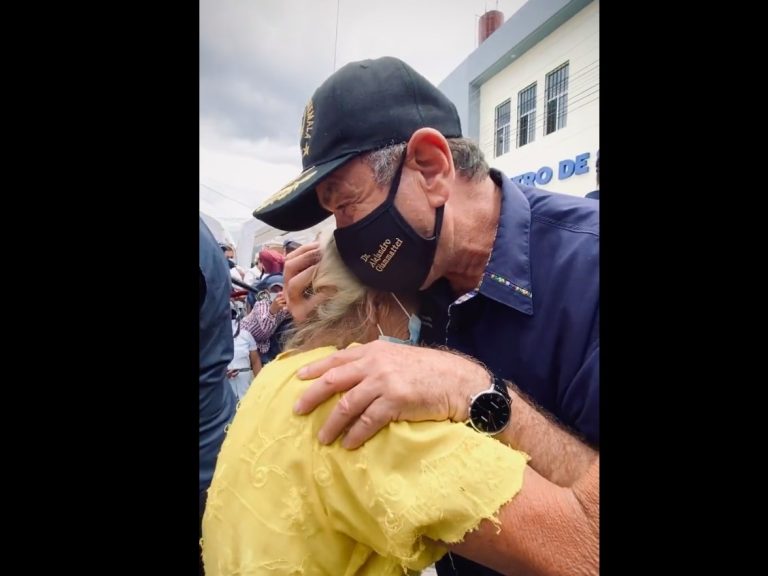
{"type": "Point", "coordinates": [288, 188]}
{"type": "Point", "coordinates": [307, 124]}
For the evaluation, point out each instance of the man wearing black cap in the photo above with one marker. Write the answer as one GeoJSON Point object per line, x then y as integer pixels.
{"type": "Point", "coordinates": [508, 274]}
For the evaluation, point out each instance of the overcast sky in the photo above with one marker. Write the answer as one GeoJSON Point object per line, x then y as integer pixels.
{"type": "Point", "coordinates": [261, 60]}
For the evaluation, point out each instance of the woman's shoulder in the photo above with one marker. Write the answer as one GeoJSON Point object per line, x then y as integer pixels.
{"type": "Point", "coordinates": [295, 356]}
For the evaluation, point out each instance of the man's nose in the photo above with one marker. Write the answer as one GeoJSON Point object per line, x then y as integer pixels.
{"type": "Point", "coordinates": [342, 220]}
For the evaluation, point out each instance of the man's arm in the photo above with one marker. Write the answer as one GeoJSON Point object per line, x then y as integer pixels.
{"type": "Point", "coordinates": [545, 530]}
{"type": "Point", "coordinates": [261, 321]}
{"type": "Point", "coordinates": [385, 382]}
{"type": "Point", "coordinates": [555, 453]}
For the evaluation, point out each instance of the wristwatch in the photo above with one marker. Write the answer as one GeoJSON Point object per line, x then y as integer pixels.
{"type": "Point", "coordinates": [490, 410]}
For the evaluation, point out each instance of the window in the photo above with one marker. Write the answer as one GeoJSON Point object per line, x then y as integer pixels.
{"type": "Point", "coordinates": [502, 128]}
{"type": "Point", "coordinates": [526, 115]}
{"type": "Point", "coordinates": [557, 99]}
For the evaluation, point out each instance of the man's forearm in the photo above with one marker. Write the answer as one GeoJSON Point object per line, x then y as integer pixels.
{"type": "Point", "coordinates": [555, 453]}
{"type": "Point", "coordinates": [546, 530]}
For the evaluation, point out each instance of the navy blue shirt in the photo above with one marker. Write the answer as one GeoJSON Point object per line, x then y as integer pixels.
{"type": "Point", "coordinates": [535, 318]}
{"type": "Point", "coordinates": [217, 399]}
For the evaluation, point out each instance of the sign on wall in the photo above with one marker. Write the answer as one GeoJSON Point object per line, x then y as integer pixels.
{"type": "Point", "coordinates": [565, 169]}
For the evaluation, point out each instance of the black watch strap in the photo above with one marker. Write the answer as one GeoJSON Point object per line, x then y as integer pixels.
{"type": "Point", "coordinates": [501, 386]}
{"type": "Point", "coordinates": [491, 409]}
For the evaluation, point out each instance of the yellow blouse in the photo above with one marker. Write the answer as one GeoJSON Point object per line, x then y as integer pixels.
{"type": "Point", "coordinates": [281, 503]}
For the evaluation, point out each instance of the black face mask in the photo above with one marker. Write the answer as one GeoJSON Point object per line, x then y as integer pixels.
{"type": "Point", "coordinates": [384, 251]}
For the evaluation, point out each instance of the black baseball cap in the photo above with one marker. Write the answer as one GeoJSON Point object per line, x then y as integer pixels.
{"type": "Point", "coordinates": [363, 106]}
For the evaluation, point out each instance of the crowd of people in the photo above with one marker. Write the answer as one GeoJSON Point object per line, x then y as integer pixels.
{"type": "Point", "coordinates": [437, 394]}
{"type": "Point", "coordinates": [259, 314]}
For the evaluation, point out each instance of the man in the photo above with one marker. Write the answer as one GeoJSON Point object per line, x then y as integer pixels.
{"type": "Point", "coordinates": [235, 271]}
{"type": "Point", "coordinates": [508, 273]}
{"type": "Point", "coordinates": [217, 399]}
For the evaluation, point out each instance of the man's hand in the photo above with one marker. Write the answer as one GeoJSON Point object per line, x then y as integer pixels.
{"type": "Point", "coordinates": [387, 382]}
{"type": "Point", "coordinates": [299, 268]}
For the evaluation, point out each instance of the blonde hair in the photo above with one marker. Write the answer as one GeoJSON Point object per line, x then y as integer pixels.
{"type": "Point", "coordinates": [349, 312]}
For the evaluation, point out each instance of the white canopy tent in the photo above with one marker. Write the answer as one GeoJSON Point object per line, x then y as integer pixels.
{"type": "Point", "coordinates": [255, 234]}
{"type": "Point", "coordinates": [216, 228]}
{"type": "Point", "coordinates": [227, 211]}
{"type": "Point", "coordinates": [231, 222]}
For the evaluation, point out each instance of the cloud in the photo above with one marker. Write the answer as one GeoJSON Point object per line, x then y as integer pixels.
{"type": "Point", "coordinates": [260, 63]}
{"type": "Point", "coordinates": [244, 175]}
{"type": "Point", "coordinates": [261, 60]}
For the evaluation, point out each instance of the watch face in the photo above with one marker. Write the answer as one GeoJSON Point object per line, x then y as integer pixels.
{"type": "Point", "coordinates": [490, 412]}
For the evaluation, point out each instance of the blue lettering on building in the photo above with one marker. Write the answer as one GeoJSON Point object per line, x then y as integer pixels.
{"type": "Point", "coordinates": [581, 163]}
{"type": "Point", "coordinates": [544, 175]}
{"type": "Point", "coordinates": [566, 168]}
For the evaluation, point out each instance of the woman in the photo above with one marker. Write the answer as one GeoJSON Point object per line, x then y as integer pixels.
{"type": "Point", "coordinates": [282, 503]}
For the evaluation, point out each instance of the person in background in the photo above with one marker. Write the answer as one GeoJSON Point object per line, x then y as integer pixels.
{"type": "Point", "coordinates": [269, 262]}
{"type": "Point", "coordinates": [217, 399]}
{"type": "Point", "coordinates": [269, 317]}
{"type": "Point", "coordinates": [229, 252]}
{"type": "Point", "coordinates": [246, 361]}
{"type": "Point", "coordinates": [237, 272]}
{"type": "Point", "coordinates": [254, 273]}
{"type": "Point", "coordinates": [595, 194]}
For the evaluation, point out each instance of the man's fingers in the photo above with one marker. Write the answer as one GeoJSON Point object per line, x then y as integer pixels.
{"type": "Point", "coordinates": [295, 276]}
{"type": "Point", "coordinates": [350, 406]}
{"type": "Point", "coordinates": [301, 250]}
{"type": "Point", "coordinates": [299, 283]}
{"type": "Point", "coordinates": [293, 292]}
{"type": "Point", "coordinates": [296, 301]}
{"type": "Point", "coordinates": [370, 421]}
{"type": "Point", "coordinates": [301, 259]}
{"type": "Point", "coordinates": [317, 369]}
{"type": "Point", "coordinates": [337, 376]}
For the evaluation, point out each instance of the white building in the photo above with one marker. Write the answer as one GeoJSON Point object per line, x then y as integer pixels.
{"type": "Point", "coordinates": [255, 235]}
{"type": "Point", "coordinates": [529, 95]}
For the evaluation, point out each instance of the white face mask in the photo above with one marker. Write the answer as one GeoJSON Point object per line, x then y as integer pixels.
{"type": "Point", "coordinates": [414, 328]}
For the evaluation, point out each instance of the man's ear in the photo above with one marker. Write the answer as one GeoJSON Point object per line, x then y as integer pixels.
{"type": "Point", "coordinates": [429, 155]}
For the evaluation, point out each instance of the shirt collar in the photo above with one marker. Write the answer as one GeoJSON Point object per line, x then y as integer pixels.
{"type": "Point", "coordinates": [507, 277]}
